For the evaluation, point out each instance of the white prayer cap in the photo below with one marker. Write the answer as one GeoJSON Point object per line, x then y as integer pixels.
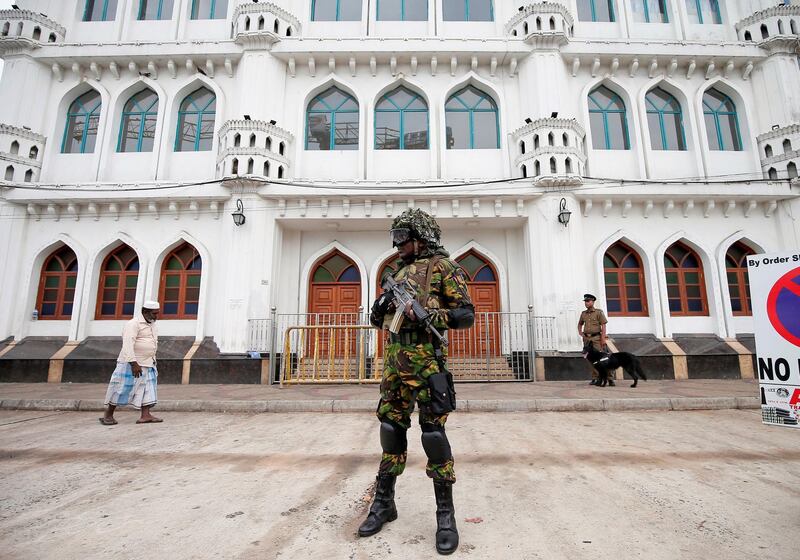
{"type": "Point", "coordinates": [151, 304]}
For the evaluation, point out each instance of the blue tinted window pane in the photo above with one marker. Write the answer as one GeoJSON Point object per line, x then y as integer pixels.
{"type": "Point", "coordinates": [127, 309]}
{"type": "Point", "coordinates": [66, 309]}
{"type": "Point", "coordinates": [616, 131]}
{"type": "Point", "coordinates": [318, 133]}
{"type": "Point", "coordinates": [108, 309]}
{"type": "Point", "coordinates": [485, 275]}
{"type": "Point", "coordinates": [48, 309]}
{"type": "Point", "coordinates": [346, 131]}
{"type": "Point", "coordinates": [190, 309]}
{"type": "Point", "coordinates": [350, 275]}
{"type": "Point", "coordinates": [387, 130]}
{"type": "Point", "coordinates": [675, 305]}
{"type": "Point", "coordinates": [171, 308]}
{"type": "Point", "coordinates": [415, 131]}
{"type": "Point", "coordinates": [187, 128]}
{"type": "Point", "coordinates": [390, 10]}
{"type": "Point", "coordinates": [480, 10]}
{"type": "Point", "coordinates": [614, 305]}
{"type": "Point", "coordinates": [416, 10]}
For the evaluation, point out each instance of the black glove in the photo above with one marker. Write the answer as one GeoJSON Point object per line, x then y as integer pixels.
{"type": "Point", "coordinates": [380, 307]}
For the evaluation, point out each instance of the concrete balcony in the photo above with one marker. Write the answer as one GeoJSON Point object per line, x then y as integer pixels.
{"type": "Point", "coordinates": [21, 154]}
{"type": "Point", "coordinates": [250, 147]}
{"type": "Point", "coordinates": [24, 30]}
{"type": "Point", "coordinates": [550, 147]}
{"type": "Point", "coordinates": [262, 25]}
{"type": "Point", "coordinates": [542, 25]}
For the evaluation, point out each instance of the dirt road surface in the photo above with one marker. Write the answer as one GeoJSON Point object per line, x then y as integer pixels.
{"type": "Point", "coordinates": [613, 485]}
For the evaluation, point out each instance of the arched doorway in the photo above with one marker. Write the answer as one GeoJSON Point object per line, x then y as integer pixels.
{"type": "Point", "coordinates": [484, 338]}
{"type": "Point", "coordinates": [334, 298]}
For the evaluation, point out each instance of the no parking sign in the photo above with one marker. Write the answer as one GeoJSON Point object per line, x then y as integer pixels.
{"type": "Point", "coordinates": [775, 293]}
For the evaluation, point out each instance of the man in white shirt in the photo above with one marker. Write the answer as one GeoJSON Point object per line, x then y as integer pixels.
{"type": "Point", "coordinates": [135, 378]}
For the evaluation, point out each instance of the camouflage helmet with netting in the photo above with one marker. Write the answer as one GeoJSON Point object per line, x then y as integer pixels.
{"type": "Point", "coordinates": [421, 224]}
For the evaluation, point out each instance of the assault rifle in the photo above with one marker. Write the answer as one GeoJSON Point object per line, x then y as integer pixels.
{"type": "Point", "coordinates": [401, 297]}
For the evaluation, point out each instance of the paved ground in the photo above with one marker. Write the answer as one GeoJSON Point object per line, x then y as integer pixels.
{"type": "Point", "coordinates": [615, 485]}
{"type": "Point", "coordinates": [483, 397]}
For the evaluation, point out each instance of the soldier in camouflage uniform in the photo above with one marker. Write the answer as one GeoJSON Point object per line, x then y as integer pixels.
{"type": "Point", "coordinates": [410, 361]}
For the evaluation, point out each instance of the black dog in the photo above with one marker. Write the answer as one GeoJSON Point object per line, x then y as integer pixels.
{"type": "Point", "coordinates": [605, 364]}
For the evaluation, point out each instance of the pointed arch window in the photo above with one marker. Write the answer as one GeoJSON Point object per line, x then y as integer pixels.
{"type": "Point", "coordinates": [137, 130]}
{"type": "Point", "coordinates": [624, 279]}
{"type": "Point", "coordinates": [608, 120]}
{"type": "Point", "coordinates": [332, 121]}
{"type": "Point", "coordinates": [665, 121]}
{"type": "Point", "coordinates": [402, 10]}
{"type": "Point", "coordinates": [596, 10]}
{"type": "Point", "coordinates": [209, 9]}
{"type": "Point", "coordinates": [155, 9]}
{"type": "Point", "coordinates": [686, 288]}
{"type": "Point", "coordinates": [738, 279]}
{"type": "Point", "coordinates": [57, 285]}
{"type": "Point", "coordinates": [722, 121]}
{"type": "Point", "coordinates": [99, 10]}
{"type": "Point", "coordinates": [401, 121]}
{"type": "Point", "coordinates": [116, 294]}
{"type": "Point", "coordinates": [471, 120]}
{"type": "Point", "coordinates": [650, 11]}
{"type": "Point", "coordinates": [703, 11]}
{"type": "Point", "coordinates": [83, 119]}
{"type": "Point", "coordinates": [335, 10]}
{"type": "Point", "coordinates": [467, 10]}
{"type": "Point", "coordinates": [196, 121]}
{"type": "Point", "coordinates": [179, 291]}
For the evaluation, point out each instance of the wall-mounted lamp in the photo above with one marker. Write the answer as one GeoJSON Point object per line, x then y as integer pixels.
{"type": "Point", "coordinates": [238, 216]}
{"type": "Point", "coordinates": [563, 213]}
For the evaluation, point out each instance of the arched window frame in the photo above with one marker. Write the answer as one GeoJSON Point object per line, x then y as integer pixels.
{"type": "Point", "coordinates": [87, 107]}
{"type": "Point", "coordinates": [471, 110]}
{"type": "Point", "coordinates": [332, 112]}
{"type": "Point", "coordinates": [674, 265]}
{"type": "Point", "coordinates": [468, 10]}
{"type": "Point", "coordinates": [617, 275]}
{"type": "Point", "coordinates": [653, 11]}
{"type": "Point", "coordinates": [204, 114]}
{"type": "Point", "coordinates": [163, 10]}
{"type": "Point", "coordinates": [697, 8]}
{"type": "Point", "coordinates": [403, 15]}
{"type": "Point", "coordinates": [127, 279]}
{"type": "Point", "coordinates": [107, 12]}
{"type": "Point", "coordinates": [402, 112]}
{"type": "Point", "coordinates": [146, 113]}
{"type": "Point", "coordinates": [181, 300]}
{"type": "Point", "coordinates": [63, 285]}
{"type": "Point", "coordinates": [715, 109]}
{"type": "Point", "coordinates": [217, 9]}
{"type": "Point", "coordinates": [665, 110]}
{"type": "Point", "coordinates": [738, 278]}
{"type": "Point", "coordinates": [604, 112]}
{"type": "Point", "coordinates": [593, 11]}
{"type": "Point", "coordinates": [339, 15]}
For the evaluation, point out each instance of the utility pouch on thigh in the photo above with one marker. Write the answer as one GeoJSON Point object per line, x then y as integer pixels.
{"type": "Point", "coordinates": [442, 393]}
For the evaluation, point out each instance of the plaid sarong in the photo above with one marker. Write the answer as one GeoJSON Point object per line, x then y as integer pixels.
{"type": "Point", "coordinates": [124, 388]}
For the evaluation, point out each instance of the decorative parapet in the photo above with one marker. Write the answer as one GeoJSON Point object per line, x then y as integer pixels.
{"type": "Point", "coordinates": [550, 147]}
{"type": "Point", "coordinates": [780, 152]}
{"type": "Point", "coordinates": [776, 28]}
{"type": "Point", "coordinates": [21, 154]}
{"type": "Point", "coordinates": [543, 25]}
{"type": "Point", "coordinates": [248, 147]}
{"type": "Point", "coordinates": [262, 25]}
{"type": "Point", "coordinates": [24, 29]}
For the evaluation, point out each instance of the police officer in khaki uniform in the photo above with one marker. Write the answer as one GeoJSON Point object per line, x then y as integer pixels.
{"type": "Point", "coordinates": [592, 330]}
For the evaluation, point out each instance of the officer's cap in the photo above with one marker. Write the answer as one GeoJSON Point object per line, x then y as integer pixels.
{"type": "Point", "coordinates": [587, 297]}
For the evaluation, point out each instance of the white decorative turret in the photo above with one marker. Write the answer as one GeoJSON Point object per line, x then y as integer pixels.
{"type": "Point", "coordinates": [543, 25]}
{"type": "Point", "coordinates": [551, 147]}
{"type": "Point", "coordinates": [776, 28]}
{"type": "Point", "coordinates": [250, 147]}
{"type": "Point", "coordinates": [780, 152]}
{"type": "Point", "coordinates": [21, 154]}
{"type": "Point", "coordinates": [261, 25]}
{"type": "Point", "coordinates": [24, 29]}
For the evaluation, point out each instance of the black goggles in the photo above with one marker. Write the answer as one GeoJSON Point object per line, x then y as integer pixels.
{"type": "Point", "coordinates": [400, 236]}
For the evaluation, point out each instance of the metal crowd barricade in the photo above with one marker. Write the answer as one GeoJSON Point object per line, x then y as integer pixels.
{"type": "Point", "coordinates": [344, 348]}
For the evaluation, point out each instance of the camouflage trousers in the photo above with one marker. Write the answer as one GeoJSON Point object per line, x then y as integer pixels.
{"type": "Point", "coordinates": [406, 370]}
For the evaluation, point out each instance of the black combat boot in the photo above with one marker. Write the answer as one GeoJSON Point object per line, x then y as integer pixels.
{"type": "Point", "coordinates": [382, 509]}
{"type": "Point", "coordinates": [446, 531]}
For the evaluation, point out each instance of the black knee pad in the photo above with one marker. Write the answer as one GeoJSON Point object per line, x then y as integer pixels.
{"type": "Point", "coordinates": [435, 443]}
{"type": "Point", "coordinates": [393, 438]}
